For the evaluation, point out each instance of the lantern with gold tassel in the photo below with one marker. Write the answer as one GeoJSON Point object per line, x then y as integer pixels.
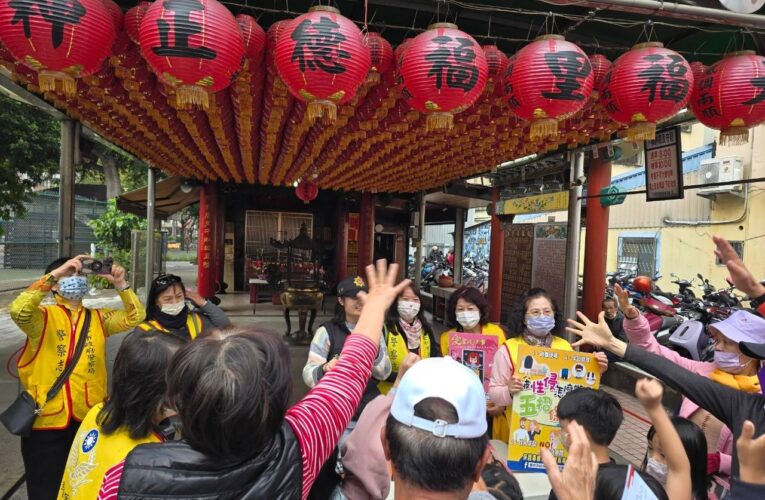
{"type": "Point", "coordinates": [381, 54]}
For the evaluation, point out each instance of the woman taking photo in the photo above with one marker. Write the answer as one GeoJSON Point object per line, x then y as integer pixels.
{"type": "Point", "coordinates": [469, 310]}
{"type": "Point", "coordinates": [407, 330]}
{"type": "Point", "coordinates": [167, 310]}
{"type": "Point", "coordinates": [535, 321]}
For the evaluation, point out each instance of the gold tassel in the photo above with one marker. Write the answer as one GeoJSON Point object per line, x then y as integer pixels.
{"type": "Point", "coordinates": [373, 78]}
{"type": "Point", "coordinates": [48, 81]}
{"type": "Point", "coordinates": [188, 95]}
{"type": "Point", "coordinates": [734, 136]}
{"type": "Point", "coordinates": [439, 121]}
{"type": "Point", "coordinates": [542, 128]}
{"type": "Point", "coordinates": [641, 131]}
{"type": "Point", "coordinates": [322, 107]}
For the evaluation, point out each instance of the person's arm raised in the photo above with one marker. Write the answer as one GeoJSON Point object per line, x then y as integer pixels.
{"type": "Point", "coordinates": [381, 280]}
{"type": "Point", "coordinates": [649, 392]}
{"type": "Point", "coordinates": [596, 334]}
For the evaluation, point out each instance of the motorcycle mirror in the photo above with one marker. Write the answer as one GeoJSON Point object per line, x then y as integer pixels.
{"type": "Point", "coordinates": [700, 276]}
{"type": "Point", "coordinates": [730, 281]}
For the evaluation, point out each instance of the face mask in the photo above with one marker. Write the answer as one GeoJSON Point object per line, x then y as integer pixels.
{"type": "Point", "coordinates": [408, 310]}
{"type": "Point", "coordinates": [73, 288]}
{"type": "Point", "coordinates": [729, 362]}
{"type": "Point", "coordinates": [539, 327]}
{"type": "Point", "coordinates": [468, 319]}
{"type": "Point", "coordinates": [173, 309]}
{"type": "Point", "coordinates": [656, 470]}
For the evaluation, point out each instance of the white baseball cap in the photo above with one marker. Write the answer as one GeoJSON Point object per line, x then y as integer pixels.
{"type": "Point", "coordinates": [445, 379]}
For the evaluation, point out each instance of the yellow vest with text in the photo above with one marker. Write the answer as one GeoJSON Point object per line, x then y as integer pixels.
{"type": "Point", "coordinates": [193, 323]}
{"type": "Point", "coordinates": [499, 427]}
{"type": "Point", "coordinates": [398, 349]}
{"type": "Point", "coordinates": [39, 367]}
{"type": "Point", "coordinates": [92, 454]}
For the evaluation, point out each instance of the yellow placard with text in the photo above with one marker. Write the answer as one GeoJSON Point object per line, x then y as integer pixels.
{"type": "Point", "coordinates": [548, 202]}
{"type": "Point", "coordinates": [547, 375]}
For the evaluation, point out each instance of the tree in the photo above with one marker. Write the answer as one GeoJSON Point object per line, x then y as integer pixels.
{"type": "Point", "coordinates": [113, 231]}
{"type": "Point", "coordinates": [29, 153]}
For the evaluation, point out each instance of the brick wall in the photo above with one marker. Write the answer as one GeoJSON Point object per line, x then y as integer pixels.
{"type": "Point", "coordinates": [518, 262]}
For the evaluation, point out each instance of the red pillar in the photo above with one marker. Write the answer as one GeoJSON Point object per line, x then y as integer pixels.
{"type": "Point", "coordinates": [341, 250]}
{"type": "Point", "coordinates": [496, 261]}
{"type": "Point", "coordinates": [596, 238]}
{"type": "Point", "coordinates": [366, 230]}
{"type": "Point", "coordinates": [206, 265]}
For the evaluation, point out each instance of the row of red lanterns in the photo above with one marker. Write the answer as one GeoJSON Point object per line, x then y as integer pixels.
{"type": "Point", "coordinates": [198, 48]}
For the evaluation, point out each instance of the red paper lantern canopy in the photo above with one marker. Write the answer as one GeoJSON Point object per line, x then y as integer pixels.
{"type": "Point", "coordinates": [133, 18]}
{"type": "Point", "coordinates": [307, 191]}
{"type": "Point", "coordinates": [730, 97]}
{"type": "Point", "coordinates": [600, 66]}
{"type": "Point", "coordinates": [549, 80]}
{"type": "Point", "coordinates": [194, 46]}
{"type": "Point", "coordinates": [496, 62]}
{"type": "Point", "coordinates": [322, 59]}
{"type": "Point", "coordinates": [60, 40]}
{"type": "Point", "coordinates": [254, 39]}
{"type": "Point", "coordinates": [646, 85]}
{"type": "Point", "coordinates": [380, 53]}
{"type": "Point", "coordinates": [444, 72]}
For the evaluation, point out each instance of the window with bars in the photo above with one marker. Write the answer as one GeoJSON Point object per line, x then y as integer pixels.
{"type": "Point", "coordinates": [261, 226]}
{"type": "Point", "coordinates": [638, 254]}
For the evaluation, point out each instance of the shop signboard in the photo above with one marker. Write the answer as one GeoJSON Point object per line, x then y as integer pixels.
{"type": "Point", "coordinates": [548, 202]}
{"type": "Point", "coordinates": [475, 351]}
{"type": "Point", "coordinates": [664, 166]}
{"type": "Point", "coordinates": [547, 375]}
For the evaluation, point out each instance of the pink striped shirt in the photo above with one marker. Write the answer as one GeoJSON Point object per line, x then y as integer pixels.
{"type": "Point", "coordinates": [318, 420]}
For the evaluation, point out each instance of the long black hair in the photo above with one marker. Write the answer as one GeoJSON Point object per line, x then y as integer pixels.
{"type": "Point", "coordinates": [138, 382]}
{"type": "Point", "coordinates": [695, 443]}
{"type": "Point", "coordinates": [392, 317]}
{"type": "Point", "coordinates": [159, 285]}
{"type": "Point", "coordinates": [517, 323]}
{"type": "Point", "coordinates": [611, 478]}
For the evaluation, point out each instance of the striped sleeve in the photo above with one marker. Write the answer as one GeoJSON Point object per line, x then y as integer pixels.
{"type": "Point", "coordinates": [320, 418]}
{"type": "Point", "coordinates": [110, 486]}
{"type": "Point", "coordinates": [317, 356]}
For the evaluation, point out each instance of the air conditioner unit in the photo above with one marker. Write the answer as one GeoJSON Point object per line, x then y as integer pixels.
{"type": "Point", "coordinates": [721, 170]}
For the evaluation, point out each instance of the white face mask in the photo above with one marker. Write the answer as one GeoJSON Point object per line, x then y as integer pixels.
{"type": "Point", "coordinates": [468, 319]}
{"type": "Point", "coordinates": [408, 310]}
{"type": "Point", "coordinates": [173, 309]}
{"type": "Point", "coordinates": [656, 470]}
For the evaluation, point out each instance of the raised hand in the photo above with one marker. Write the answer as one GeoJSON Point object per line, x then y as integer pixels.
{"type": "Point", "coordinates": [623, 299]}
{"type": "Point", "coordinates": [117, 278]}
{"type": "Point", "coordinates": [195, 298]}
{"type": "Point", "coordinates": [740, 275]}
{"type": "Point", "coordinates": [72, 266]}
{"type": "Point", "coordinates": [596, 334]}
{"type": "Point", "coordinates": [381, 281]}
{"type": "Point", "coordinates": [649, 392]}
{"type": "Point", "coordinates": [577, 481]}
{"type": "Point", "coordinates": [751, 455]}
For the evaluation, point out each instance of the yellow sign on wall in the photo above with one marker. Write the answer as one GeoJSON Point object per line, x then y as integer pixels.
{"type": "Point", "coordinates": [549, 202]}
{"type": "Point", "coordinates": [547, 375]}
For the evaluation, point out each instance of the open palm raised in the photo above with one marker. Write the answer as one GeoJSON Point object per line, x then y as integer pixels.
{"type": "Point", "coordinates": [596, 334]}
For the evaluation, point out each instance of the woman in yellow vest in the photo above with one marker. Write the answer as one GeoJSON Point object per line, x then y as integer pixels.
{"type": "Point", "coordinates": [167, 310]}
{"type": "Point", "coordinates": [469, 310]}
{"type": "Point", "coordinates": [536, 321]}
{"type": "Point", "coordinates": [407, 330]}
{"type": "Point", "coordinates": [133, 414]}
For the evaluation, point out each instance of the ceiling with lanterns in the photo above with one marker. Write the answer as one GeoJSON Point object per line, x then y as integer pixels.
{"type": "Point", "coordinates": [256, 131]}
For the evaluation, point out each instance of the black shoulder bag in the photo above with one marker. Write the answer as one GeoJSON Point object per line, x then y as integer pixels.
{"type": "Point", "coordinates": [19, 417]}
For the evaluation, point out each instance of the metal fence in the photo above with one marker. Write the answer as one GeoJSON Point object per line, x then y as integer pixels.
{"type": "Point", "coordinates": [31, 242]}
{"type": "Point", "coordinates": [638, 253]}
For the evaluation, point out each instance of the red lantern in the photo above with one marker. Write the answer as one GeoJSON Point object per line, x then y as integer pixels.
{"type": "Point", "coordinates": [380, 53]}
{"type": "Point", "coordinates": [116, 13]}
{"type": "Point", "coordinates": [60, 40]}
{"type": "Point", "coordinates": [549, 80]}
{"type": "Point", "coordinates": [322, 59]}
{"type": "Point", "coordinates": [444, 72]}
{"type": "Point", "coordinates": [254, 39]}
{"type": "Point", "coordinates": [307, 191]}
{"type": "Point", "coordinates": [600, 66]}
{"type": "Point", "coordinates": [698, 69]}
{"type": "Point", "coordinates": [496, 62]}
{"type": "Point", "coordinates": [730, 96]}
{"type": "Point", "coordinates": [133, 18]}
{"type": "Point", "coordinates": [194, 46]}
{"type": "Point", "coordinates": [646, 85]}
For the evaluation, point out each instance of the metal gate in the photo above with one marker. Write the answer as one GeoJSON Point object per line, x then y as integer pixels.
{"type": "Point", "coordinates": [639, 253]}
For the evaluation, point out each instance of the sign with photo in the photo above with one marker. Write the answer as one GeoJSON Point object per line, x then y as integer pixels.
{"type": "Point", "coordinates": [547, 375]}
{"type": "Point", "coordinates": [475, 351]}
{"type": "Point", "coordinates": [664, 166]}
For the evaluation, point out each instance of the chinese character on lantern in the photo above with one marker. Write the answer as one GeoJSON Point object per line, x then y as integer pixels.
{"type": "Point", "coordinates": [58, 13]}
{"type": "Point", "coordinates": [570, 68]}
{"type": "Point", "coordinates": [458, 62]}
{"type": "Point", "coordinates": [665, 75]}
{"type": "Point", "coordinates": [317, 46]}
{"type": "Point", "coordinates": [180, 47]}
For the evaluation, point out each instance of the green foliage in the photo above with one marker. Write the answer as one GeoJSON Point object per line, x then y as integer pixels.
{"type": "Point", "coordinates": [113, 229]}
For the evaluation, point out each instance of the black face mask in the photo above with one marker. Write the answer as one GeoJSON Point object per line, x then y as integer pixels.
{"type": "Point", "coordinates": [173, 322]}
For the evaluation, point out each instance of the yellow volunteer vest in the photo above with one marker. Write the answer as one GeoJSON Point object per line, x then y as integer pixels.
{"type": "Point", "coordinates": [39, 367]}
{"type": "Point", "coordinates": [193, 323]}
{"type": "Point", "coordinates": [499, 426]}
{"type": "Point", "coordinates": [397, 351]}
{"type": "Point", "coordinates": [92, 454]}
{"type": "Point", "coordinates": [512, 349]}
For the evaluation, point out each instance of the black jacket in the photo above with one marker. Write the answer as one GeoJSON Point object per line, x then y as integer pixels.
{"type": "Point", "coordinates": [175, 470]}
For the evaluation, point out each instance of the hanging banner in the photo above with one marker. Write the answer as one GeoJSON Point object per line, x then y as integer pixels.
{"type": "Point", "coordinates": [547, 375]}
{"type": "Point", "coordinates": [475, 351]}
{"type": "Point", "coordinates": [664, 166]}
{"type": "Point", "coordinates": [548, 202]}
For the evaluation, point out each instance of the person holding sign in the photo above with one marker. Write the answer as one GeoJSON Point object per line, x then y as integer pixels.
{"type": "Point", "coordinates": [474, 342]}
{"type": "Point", "coordinates": [536, 321]}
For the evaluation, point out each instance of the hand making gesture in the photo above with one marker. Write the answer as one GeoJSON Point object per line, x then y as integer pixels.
{"type": "Point", "coordinates": [596, 334]}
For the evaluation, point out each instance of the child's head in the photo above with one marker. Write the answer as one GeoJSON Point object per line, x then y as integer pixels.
{"type": "Point", "coordinates": [611, 478]}
{"type": "Point", "coordinates": [597, 411]}
{"type": "Point", "coordinates": [695, 444]}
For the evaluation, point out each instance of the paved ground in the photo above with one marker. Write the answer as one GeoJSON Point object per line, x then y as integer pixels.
{"type": "Point", "coordinates": [629, 445]}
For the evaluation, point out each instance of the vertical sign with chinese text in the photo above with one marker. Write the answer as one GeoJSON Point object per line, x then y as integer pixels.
{"type": "Point", "coordinates": [664, 166]}
{"type": "Point", "coordinates": [547, 375]}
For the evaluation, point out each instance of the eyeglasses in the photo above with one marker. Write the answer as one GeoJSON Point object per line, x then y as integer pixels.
{"type": "Point", "coordinates": [167, 279]}
{"type": "Point", "coordinates": [538, 314]}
